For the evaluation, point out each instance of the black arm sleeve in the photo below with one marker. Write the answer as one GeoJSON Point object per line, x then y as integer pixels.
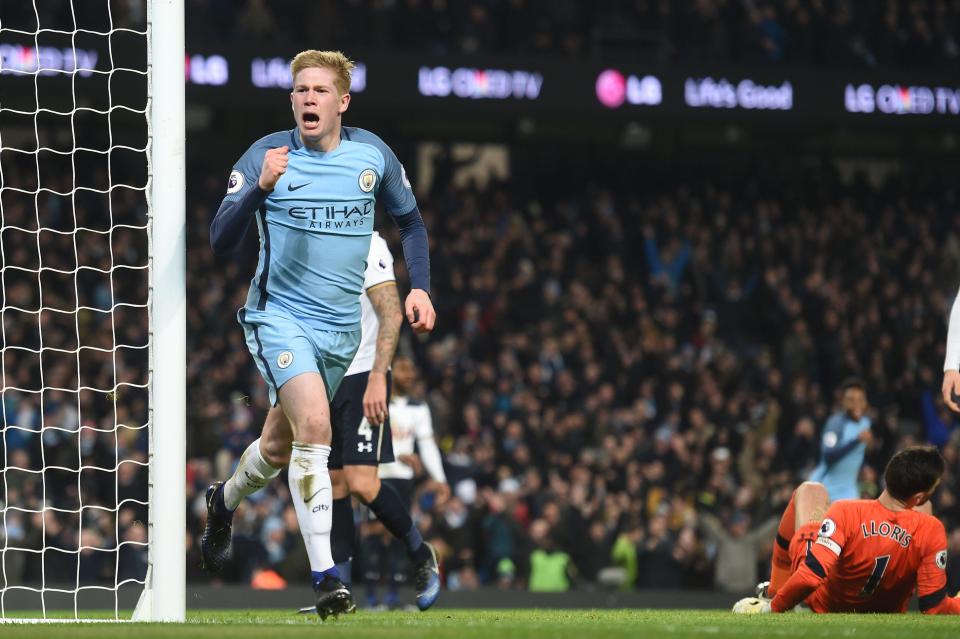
{"type": "Point", "coordinates": [416, 249]}
{"type": "Point", "coordinates": [232, 220]}
{"type": "Point", "coordinates": [836, 454]}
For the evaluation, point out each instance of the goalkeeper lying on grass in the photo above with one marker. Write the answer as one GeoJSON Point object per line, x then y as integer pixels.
{"type": "Point", "coordinates": [862, 555]}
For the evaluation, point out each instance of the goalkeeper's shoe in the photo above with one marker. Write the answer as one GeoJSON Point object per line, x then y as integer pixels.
{"type": "Point", "coordinates": [215, 547]}
{"type": "Point", "coordinates": [428, 580]}
{"type": "Point", "coordinates": [763, 590]}
{"type": "Point", "coordinates": [752, 606]}
{"type": "Point", "coordinates": [333, 598]}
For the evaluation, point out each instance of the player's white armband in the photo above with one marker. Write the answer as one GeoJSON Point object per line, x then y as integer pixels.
{"type": "Point", "coordinates": [952, 359]}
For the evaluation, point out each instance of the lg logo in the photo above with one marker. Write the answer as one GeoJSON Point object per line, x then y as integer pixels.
{"type": "Point", "coordinates": [613, 89]}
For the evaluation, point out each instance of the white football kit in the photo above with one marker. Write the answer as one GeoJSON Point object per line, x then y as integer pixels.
{"type": "Point", "coordinates": [411, 428]}
{"type": "Point", "coordinates": [379, 271]}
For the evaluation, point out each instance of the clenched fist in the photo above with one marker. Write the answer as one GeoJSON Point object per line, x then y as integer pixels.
{"type": "Point", "coordinates": [274, 165]}
{"type": "Point", "coordinates": [420, 311]}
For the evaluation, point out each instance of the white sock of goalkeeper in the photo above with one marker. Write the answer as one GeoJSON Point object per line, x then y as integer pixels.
{"type": "Point", "coordinates": [252, 473]}
{"type": "Point", "coordinates": [312, 495]}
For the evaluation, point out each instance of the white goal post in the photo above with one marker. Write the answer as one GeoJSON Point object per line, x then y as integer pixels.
{"type": "Point", "coordinates": [92, 311]}
{"type": "Point", "coordinates": [164, 596]}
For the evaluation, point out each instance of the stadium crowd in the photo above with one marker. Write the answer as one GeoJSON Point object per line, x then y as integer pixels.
{"type": "Point", "coordinates": [74, 480]}
{"type": "Point", "coordinates": [848, 33]}
{"type": "Point", "coordinates": [626, 383]}
{"type": "Point", "coordinates": [647, 371]}
{"type": "Point", "coordinates": [834, 33]}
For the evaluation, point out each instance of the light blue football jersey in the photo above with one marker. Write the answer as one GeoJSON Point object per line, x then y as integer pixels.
{"type": "Point", "coordinates": [315, 226]}
{"type": "Point", "coordinates": [840, 477]}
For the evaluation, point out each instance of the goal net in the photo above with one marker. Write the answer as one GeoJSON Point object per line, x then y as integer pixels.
{"type": "Point", "coordinates": [81, 357]}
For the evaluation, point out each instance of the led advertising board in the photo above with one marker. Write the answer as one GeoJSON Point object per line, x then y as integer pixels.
{"type": "Point", "coordinates": [247, 78]}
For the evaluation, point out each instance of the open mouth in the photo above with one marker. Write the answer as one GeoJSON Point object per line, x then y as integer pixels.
{"type": "Point", "coordinates": [311, 119]}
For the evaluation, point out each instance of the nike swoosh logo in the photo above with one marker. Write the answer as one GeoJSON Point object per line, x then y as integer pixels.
{"type": "Point", "coordinates": [291, 187]}
{"type": "Point", "coordinates": [310, 498]}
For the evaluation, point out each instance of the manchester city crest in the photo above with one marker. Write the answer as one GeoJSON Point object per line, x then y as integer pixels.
{"type": "Point", "coordinates": [367, 180]}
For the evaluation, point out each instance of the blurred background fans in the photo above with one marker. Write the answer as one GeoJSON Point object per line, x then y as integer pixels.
{"type": "Point", "coordinates": [663, 234]}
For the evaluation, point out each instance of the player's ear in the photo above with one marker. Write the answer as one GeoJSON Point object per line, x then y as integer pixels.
{"type": "Point", "coordinates": [344, 103]}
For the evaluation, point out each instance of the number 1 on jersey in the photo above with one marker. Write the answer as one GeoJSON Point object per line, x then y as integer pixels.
{"type": "Point", "coordinates": [879, 567]}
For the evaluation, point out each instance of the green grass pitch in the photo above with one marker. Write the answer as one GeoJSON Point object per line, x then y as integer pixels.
{"type": "Point", "coordinates": [507, 624]}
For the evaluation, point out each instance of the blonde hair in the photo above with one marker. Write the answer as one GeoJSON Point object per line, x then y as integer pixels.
{"type": "Point", "coordinates": [336, 61]}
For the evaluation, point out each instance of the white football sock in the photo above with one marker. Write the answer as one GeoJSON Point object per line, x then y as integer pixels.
{"type": "Point", "coordinates": [312, 495]}
{"type": "Point", "coordinates": [252, 473]}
